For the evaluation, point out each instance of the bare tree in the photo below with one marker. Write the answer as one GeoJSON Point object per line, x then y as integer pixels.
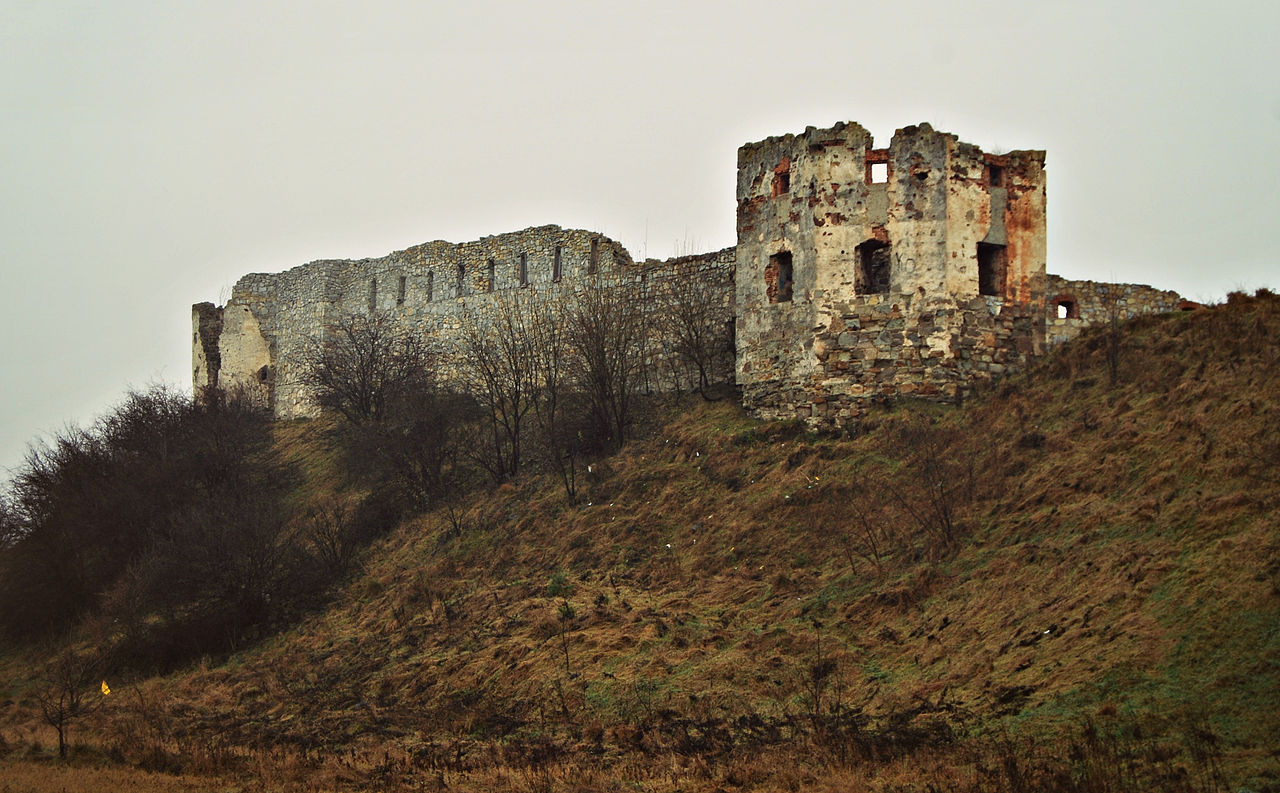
{"type": "Point", "coordinates": [67, 690]}
{"type": "Point", "coordinates": [1113, 335]}
{"type": "Point", "coordinates": [363, 364]}
{"type": "Point", "coordinates": [606, 327]}
{"type": "Point", "coordinates": [497, 363]}
{"type": "Point", "coordinates": [559, 409]}
{"type": "Point", "coordinates": [695, 322]}
{"type": "Point", "coordinates": [939, 478]}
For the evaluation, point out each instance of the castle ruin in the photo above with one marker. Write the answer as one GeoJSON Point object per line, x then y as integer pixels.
{"type": "Point", "coordinates": [860, 274]}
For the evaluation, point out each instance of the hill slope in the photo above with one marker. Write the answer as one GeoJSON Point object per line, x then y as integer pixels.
{"type": "Point", "coordinates": [1072, 583]}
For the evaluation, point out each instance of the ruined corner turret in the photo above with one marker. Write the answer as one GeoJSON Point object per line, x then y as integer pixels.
{"type": "Point", "coordinates": [866, 273]}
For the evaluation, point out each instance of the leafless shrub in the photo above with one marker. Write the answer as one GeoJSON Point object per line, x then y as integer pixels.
{"type": "Point", "coordinates": [937, 479]}
{"type": "Point", "coordinates": [559, 410]}
{"type": "Point", "coordinates": [363, 364]}
{"type": "Point", "coordinates": [498, 365]}
{"type": "Point", "coordinates": [606, 329]}
{"type": "Point", "coordinates": [695, 323]}
{"type": "Point", "coordinates": [67, 688]}
{"type": "Point", "coordinates": [867, 535]}
{"type": "Point", "coordinates": [326, 530]}
{"type": "Point", "coordinates": [419, 450]}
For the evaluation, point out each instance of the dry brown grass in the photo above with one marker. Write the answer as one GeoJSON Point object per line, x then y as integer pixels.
{"type": "Point", "coordinates": [21, 776]}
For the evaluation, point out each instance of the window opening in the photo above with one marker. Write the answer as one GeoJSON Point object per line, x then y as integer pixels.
{"type": "Point", "coordinates": [1067, 307]}
{"type": "Point", "coordinates": [373, 295]}
{"type": "Point", "coordinates": [782, 178]}
{"type": "Point", "coordinates": [492, 273]}
{"type": "Point", "coordinates": [995, 175]}
{"type": "Point", "coordinates": [431, 278]}
{"type": "Point", "coordinates": [524, 269]}
{"type": "Point", "coordinates": [779, 277]}
{"type": "Point", "coordinates": [400, 290]}
{"type": "Point", "coordinates": [991, 266]}
{"type": "Point", "coordinates": [555, 266]}
{"type": "Point", "coordinates": [874, 267]}
{"type": "Point", "coordinates": [462, 278]}
{"type": "Point", "coordinates": [781, 183]}
{"type": "Point", "coordinates": [594, 261]}
{"type": "Point", "coordinates": [877, 166]}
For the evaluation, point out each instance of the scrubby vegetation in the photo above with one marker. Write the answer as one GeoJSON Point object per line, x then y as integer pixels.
{"type": "Point", "coordinates": [165, 519]}
{"type": "Point", "coordinates": [1071, 584]}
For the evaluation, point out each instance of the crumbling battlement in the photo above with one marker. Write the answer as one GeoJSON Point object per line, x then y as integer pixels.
{"type": "Point", "coordinates": [860, 274]}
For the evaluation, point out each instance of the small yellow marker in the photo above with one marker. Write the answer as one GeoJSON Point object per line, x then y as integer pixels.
{"type": "Point", "coordinates": [106, 691]}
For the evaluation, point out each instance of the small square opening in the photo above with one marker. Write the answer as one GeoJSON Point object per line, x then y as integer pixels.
{"type": "Point", "coordinates": [781, 183]}
{"type": "Point", "coordinates": [1067, 307]}
{"type": "Point", "coordinates": [878, 172]}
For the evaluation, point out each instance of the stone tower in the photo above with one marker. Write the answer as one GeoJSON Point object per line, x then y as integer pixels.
{"type": "Point", "coordinates": [867, 273]}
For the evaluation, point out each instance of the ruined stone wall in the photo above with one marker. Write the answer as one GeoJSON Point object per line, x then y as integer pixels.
{"type": "Point", "coordinates": [914, 269]}
{"type": "Point", "coordinates": [1073, 306]}
{"type": "Point", "coordinates": [859, 274]}
{"type": "Point", "coordinates": [259, 341]}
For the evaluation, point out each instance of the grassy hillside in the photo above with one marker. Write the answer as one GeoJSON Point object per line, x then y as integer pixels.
{"type": "Point", "coordinates": [1071, 583]}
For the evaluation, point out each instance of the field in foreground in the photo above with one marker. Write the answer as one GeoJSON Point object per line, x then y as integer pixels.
{"type": "Point", "coordinates": [1071, 583]}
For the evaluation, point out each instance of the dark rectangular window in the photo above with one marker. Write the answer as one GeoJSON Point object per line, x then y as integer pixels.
{"type": "Point", "coordinates": [555, 266]}
{"type": "Point", "coordinates": [431, 282]}
{"type": "Point", "coordinates": [991, 267]}
{"type": "Point", "coordinates": [524, 269]}
{"type": "Point", "coordinates": [996, 175]}
{"type": "Point", "coordinates": [781, 183]}
{"type": "Point", "coordinates": [873, 263]}
{"type": "Point", "coordinates": [779, 278]}
{"type": "Point", "coordinates": [594, 261]}
{"type": "Point", "coordinates": [373, 295]}
{"type": "Point", "coordinates": [493, 274]}
{"type": "Point", "coordinates": [462, 279]}
{"type": "Point", "coordinates": [400, 291]}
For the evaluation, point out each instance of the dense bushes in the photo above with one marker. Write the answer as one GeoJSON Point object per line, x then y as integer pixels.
{"type": "Point", "coordinates": [165, 518]}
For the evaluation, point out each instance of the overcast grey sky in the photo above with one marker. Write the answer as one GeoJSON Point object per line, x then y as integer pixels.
{"type": "Point", "coordinates": [154, 152]}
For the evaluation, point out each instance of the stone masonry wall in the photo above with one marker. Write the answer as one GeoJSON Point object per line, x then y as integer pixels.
{"type": "Point", "coordinates": [259, 341]}
{"type": "Point", "coordinates": [1088, 303]}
